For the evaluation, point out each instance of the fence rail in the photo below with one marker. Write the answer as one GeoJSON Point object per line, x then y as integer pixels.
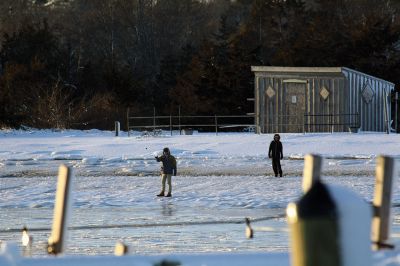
{"type": "Point", "coordinates": [280, 123]}
{"type": "Point", "coordinates": [184, 122]}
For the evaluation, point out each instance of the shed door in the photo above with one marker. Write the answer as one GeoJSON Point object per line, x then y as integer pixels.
{"type": "Point", "coordinates": [295, 106]}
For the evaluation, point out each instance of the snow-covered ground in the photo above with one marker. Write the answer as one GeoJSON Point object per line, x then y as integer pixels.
{"type": "Point", "coordinates": [38, 153]}
{"type": "Point", "coordinates": [221, 180]}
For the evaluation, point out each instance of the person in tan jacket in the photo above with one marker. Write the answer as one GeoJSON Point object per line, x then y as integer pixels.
{"type": "Point", "coordinates": [168, 169]}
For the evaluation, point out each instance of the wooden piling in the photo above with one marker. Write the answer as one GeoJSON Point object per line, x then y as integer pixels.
{"type": "Point", "coordinates": [26, 242]}
{"type": "Point", "coordinates": [382, 202]}
{"type": "Point", "coordinates": [120, 249]}
{"type": "Point", "coordinates": [57, 237]}
{"type": "Point", "coordinates": [314, 229]}
{"type": "Point", "coordinates": [249, 230]}
{"type": "Point", "coordinates": [312, 170]}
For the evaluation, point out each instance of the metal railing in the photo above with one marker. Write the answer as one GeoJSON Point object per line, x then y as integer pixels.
{"type": "Point", "coordinates": [284, 124]}
{"type": "Point", "coordinates": [189, 122]}
{"type": "Point", "coordinates": [312, 123]}
{"type": "Point", "coordinates": [331, 122]}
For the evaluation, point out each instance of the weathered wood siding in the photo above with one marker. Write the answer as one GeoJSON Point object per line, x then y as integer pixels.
{"type": "Point", "coordinates": [296, 99]}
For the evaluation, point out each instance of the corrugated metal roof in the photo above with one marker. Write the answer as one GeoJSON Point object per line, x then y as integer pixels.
{"type": "Point", "coordinates": [372, 77]}
{"type": "Point", "coordinates": [327, 70]}
{"type": "Point", "coordinates": [296, 69]}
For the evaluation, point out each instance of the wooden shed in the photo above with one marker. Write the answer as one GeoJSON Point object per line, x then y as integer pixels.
{"type": "Point", "coordinates": [319, 99]}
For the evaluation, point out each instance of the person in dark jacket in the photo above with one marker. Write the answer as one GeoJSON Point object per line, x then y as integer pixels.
{"type": "Point", "coordinates": [276, 153]}
{"type": "Point", "coordinates": [168, 169]}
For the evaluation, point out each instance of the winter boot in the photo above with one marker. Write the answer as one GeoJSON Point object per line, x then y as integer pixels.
{"type": "Point", "coordinates": [169, 194]}
{"type": "Point", "coordinates": [161, 194]}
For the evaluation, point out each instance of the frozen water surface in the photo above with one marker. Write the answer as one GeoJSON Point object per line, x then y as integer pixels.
{"type": "Point", "coordinates": [221, 180]}
{"type": "Point", "coordinates": [205, 214]}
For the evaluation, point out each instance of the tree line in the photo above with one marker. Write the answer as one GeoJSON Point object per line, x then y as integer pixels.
{"type": "Point", "coordinates": [82, 63]}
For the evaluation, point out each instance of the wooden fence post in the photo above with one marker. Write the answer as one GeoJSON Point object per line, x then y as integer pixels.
{"type": "Point", "coordinates": [154, 119]}
{"type": "Point", "coordinates": [396, 115]}
{"type": "Point", "coordinates": [62, 200]}
{"type": "Point", "coordinates": [117, 126]}
{"type": "Point", "coordinates": [170, 123]}
{"type": "Point", "coordinates": [216, 124]}
{"type": "Point", "coordinates": [312, 170]}
{"type": "Point", "coordinates": [127, 122]}
{"type": "Point", "coordinates": [179, 120]}
{"type": "Point", "coordinates": [382, 202]}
